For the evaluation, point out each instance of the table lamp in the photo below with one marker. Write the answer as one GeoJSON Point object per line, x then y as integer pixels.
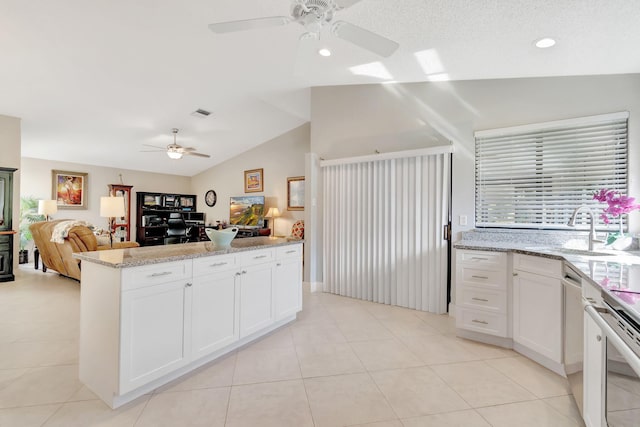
{"type": "Point", "coordinates": [273, 213]}
{"type": "Point", "coordinates": [47, 208]}
{"type": "Point", "coordinates": [111, 207]}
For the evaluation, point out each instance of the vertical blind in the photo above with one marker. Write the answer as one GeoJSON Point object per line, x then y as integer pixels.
{"type": "Point", "coordinates": [534, 176]}
{"type": "Point", "coordinates": [383, 231]}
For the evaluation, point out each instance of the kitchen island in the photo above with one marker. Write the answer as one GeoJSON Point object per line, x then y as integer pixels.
{"type": "Point", "coordinates": [151, 314]}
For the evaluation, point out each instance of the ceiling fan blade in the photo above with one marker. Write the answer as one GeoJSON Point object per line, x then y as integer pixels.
{"type": "Point", "coordinates": [185, 149]}
{"type": "Point", "coordinates": [155, 146]}
{"type": "Point", "coordinates": [364, 38]}
{"type": "Point", "coordinates": [346, 3]}
{"type": "Point", "coordinates": [151, 151]}
{"type": "Point", "coordinates": [193, 153]}
{"type": "Point", "coordinates": [249, 24]}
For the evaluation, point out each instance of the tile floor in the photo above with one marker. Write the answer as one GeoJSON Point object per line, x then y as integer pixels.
{"type": "Point", "coordinates": [344, 362]}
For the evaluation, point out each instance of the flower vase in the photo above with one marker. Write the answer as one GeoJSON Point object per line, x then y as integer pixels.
{"type": "Point", "coordinates": [618, 241]}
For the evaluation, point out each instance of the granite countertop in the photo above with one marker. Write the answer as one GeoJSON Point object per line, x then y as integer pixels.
{"type": "Point", "coordinates": [146, 255]}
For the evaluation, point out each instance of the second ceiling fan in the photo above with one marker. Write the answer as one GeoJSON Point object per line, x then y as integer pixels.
{"type": "Point", "coordinates": [314, 15]}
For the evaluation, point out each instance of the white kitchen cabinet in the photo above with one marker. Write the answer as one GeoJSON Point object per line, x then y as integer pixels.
{"type": "Point", "coordinates": [215, 312]}
{"type": "Point", "coordinates": [143, 326]}
{"type": "Point", "coordinates": [288, 287]}
{"type": "Point", "coordinates": [256, 297]}
{"type": "Point", "coordinates": [481, 293]}
{"type": "Point", "coordinates": [593, 374]}
{"type": "Point", "coordinates": [155, 338]}
{"type": "Point", "coordinates": [538, 308]}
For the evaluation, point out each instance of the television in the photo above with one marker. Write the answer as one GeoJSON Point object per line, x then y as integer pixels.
{"type": "Point", "coordinates": [247, 211]}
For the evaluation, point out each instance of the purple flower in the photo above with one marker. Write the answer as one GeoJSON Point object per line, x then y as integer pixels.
{"type": "Point", "coordinates": [617, 204]}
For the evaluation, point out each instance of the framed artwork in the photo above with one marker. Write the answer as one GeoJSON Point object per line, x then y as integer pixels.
{"type": "Point", "coordinates": [69, 189]}
{"type": "Point", "coordinates": [253, 181]}
{"type": "Point", "coordinates": [295, 193]}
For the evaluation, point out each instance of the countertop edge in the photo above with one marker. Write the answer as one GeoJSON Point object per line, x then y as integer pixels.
{"type": "Point", "coordinates": [93, 257]}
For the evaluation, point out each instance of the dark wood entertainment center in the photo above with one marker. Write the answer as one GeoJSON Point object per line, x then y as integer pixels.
{"type": "Point", "coordinates": [153, 210]}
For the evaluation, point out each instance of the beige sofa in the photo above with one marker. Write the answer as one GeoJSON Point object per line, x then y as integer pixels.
{"type": "Point", "coordinates": [59, 256]}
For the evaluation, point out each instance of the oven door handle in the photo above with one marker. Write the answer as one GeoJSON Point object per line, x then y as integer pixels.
{"type": "Point", "coordinates": [629, 356]}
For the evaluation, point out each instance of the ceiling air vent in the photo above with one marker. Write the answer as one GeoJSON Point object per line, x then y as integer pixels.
{"type": "Point", "coordinates": [203, 114]}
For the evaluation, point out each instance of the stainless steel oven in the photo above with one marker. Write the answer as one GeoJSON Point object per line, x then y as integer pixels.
{"type": "Point", "coordinates": [620, 326]}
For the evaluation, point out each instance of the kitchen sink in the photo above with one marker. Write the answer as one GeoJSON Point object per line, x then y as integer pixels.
{"type": "Point", "coordinates": [583, 252]}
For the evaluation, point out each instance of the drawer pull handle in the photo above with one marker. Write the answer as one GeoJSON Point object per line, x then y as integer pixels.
{"type": "Point", "coordinates": [189, 285]}
{"type": "Point", "coordinates": [291, 252]}
{"type": "Point", "coordinates": [480, 277]}
{"type": "Point", "coordinates": [482, 322]}
{"type": "Point", "coordinates": [259, 256]}
{"type": "Point", "coordinates": [218, 264]}
{"type": "Point", "coordinates": [238, 273]}
{"type": "Point", "coordinates": [278, 264]}
{"type": "Point", "coordinates": [244, 271]}
{"type": "Point", "coordinates": [480, 299]}
{"type": "Point", "coordinates": [479, 258]}
{"type": "Point", "coordinates": [164, 273]}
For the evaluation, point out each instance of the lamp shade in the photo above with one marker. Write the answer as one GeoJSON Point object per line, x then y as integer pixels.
{"type": "Point", "coordinates": [111, 206]}
{"type": "Point", "coordinates": [174, 154]}
{"type": "Point", "coordinates": [272, 213]}
{"type": "Point", "coordinates": [47, 207]}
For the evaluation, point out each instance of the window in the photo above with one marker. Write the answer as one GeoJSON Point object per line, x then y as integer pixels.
{"type": "Point", "coordinates": [534, 176]}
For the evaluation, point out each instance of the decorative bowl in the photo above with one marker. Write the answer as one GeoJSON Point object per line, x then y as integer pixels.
{"type": "Point", "coordinates": [221, 238]}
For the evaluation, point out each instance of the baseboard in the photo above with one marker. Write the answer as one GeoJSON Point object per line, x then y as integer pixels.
{"type": "Point", "coordinates": [485, 338]}
{"type": "Point", "coordinates": [452, 310]}
{"type": "Point", "coordinates": [556, 367]}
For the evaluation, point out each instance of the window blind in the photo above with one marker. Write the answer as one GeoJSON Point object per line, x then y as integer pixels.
{"type": "Point", "coordinates": [534, 176]}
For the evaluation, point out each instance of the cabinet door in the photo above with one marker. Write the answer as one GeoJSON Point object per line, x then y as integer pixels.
{"type": "Point", "coordinates": [537, 314]}
{"type": "Point", "coordinates": [593, 390]}
{"type": "Point", "coordinates": [153, 339]}
{"type": "Point", "coordinates": [215, 316]}
{"type": "Point", "coordinates": [256, 298]}
{"type": "Point", "coordinates": [288, 287]}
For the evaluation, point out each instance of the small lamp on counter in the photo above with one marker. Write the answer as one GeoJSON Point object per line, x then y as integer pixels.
{"type": "Point", "coordinates": [47, 208]}
{"type": "Point", "coordinates": [273, 213]}
{"type": "Point", "coordinates": [111, 207]}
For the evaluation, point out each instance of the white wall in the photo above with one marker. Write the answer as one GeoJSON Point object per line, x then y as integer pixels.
{"type": "Point", "coordinates": [280, 158]}
{"type": "Point", "coordinates": [356, 120]}
{"type": "Point", "coordinates": [36, 182]}
{"type": "Point", "coordinates": [10, 158]}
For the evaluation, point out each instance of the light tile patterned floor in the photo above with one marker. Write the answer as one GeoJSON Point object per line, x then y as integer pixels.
{"type": "Point", "coordinates": [344, 362]}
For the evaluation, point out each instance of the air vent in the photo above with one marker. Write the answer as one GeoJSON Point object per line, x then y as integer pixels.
{"type": "Point", "coordinates": [203, 114]}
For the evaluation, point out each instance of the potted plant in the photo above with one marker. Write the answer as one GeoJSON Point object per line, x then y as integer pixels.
{"type": "Point", "coordinates": [28, 215]}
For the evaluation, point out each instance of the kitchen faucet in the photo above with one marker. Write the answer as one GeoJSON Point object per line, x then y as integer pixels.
{"type": "Point", "coordinates": [592, 224]}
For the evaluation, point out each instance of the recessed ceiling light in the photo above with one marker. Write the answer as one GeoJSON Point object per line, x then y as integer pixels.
{"type": "Point", "coordinates": [324, 52]}
{"type": "Point", "coordinates": [545, 43]}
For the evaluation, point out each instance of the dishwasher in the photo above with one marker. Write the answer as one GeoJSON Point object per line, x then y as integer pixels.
{"type": "Point", "coordinates": [573, 331]}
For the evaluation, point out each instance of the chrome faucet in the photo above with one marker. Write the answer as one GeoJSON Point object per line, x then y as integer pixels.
{"type": "Point", "coordinates": [592, 224]}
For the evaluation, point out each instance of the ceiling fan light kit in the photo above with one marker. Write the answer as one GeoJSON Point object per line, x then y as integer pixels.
{"type": "Point", "coordinates": [314, 15]}
{"type": "Point", "coordinates": [175, 151]}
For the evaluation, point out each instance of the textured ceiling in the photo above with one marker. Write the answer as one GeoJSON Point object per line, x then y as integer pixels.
{"type": "Point", "coordinates": [94, 80]}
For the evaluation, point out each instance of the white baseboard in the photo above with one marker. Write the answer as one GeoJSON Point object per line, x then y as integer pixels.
{"type": "Point", "coordinates": [452, 310]}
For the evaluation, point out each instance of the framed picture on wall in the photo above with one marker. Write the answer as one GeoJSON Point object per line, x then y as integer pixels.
{"type": "Point", "coordinates": [69, 189]}
{"type": "Point", "coordinates": [254, 181]}
{"type": "Point", "coordinates": [295, 193]}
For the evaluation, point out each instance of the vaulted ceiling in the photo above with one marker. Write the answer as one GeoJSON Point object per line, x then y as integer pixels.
{"type": "Point", "coordinates": [95, 80]}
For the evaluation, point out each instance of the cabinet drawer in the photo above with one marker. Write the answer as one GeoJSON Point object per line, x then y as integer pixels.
{"type": "Point", "coordinates": [155, 274]}
{"type": "Point", "coordinates": [483, 258]}
{"type": "Point", "coordinates": [484, 322]}
{"type": "Point", "coordinates": [538, 265]}
{"type": "Point", "coordinates": [257, 257]}
{"type": "Point", "coordinates": [495, 301]}
{"type": "Point", "coordinates": [486, 278]}
{"type": "Point", "coordinates": [213, 264]}
{"type": "Point", "coordinates": [289, 251]}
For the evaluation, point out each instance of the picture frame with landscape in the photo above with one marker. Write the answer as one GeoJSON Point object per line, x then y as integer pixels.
{"type": "Point", "coordinates": [69, 189]}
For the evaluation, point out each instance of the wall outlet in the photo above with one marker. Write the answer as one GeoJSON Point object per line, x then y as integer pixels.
{"type": "Point", "coordinates": [463, 220]}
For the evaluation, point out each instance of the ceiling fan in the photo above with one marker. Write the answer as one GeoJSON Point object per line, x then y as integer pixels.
{"type": "Point", "coordinates": [314, 15]}
{"type": "Point", "coordinates": [176, 151]}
